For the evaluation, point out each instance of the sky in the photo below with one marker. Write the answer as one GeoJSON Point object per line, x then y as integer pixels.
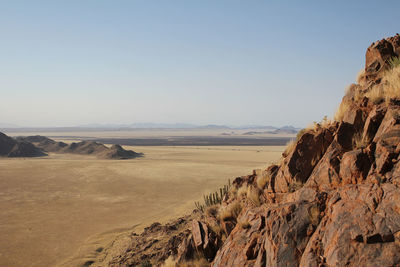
{"type": "Point", "coordinates": [75, 62]}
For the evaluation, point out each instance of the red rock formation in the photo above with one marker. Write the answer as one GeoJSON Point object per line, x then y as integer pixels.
{"type": "Point", "coordinates": [334, 200]}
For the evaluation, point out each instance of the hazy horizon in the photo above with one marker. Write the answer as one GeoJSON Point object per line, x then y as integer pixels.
{"type": "Point", "coordinates": [226, 63]}
{"type": "Point", "coordinates": [148, 125]}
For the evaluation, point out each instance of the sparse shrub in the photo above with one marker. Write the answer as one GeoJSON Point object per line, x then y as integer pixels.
{"type": "Point", "coordinates": [213, 198]}
{"type": "Point", "coordinates": [230, 212]}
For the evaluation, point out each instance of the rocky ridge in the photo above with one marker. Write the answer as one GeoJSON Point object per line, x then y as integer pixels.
{"type": "Point", "coordinates": [333, 199]}
{"type": "Point", "coordinates": [29, 146]}
{"type": "Point", "coordinates": [12, 148]}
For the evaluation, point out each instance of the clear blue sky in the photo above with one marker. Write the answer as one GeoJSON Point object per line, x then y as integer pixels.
{"type": "Point", "coordinates": [65, 63]}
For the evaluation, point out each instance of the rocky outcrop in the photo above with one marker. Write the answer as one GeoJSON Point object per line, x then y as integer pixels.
{"type": "Point", "coordinates": [44, 143]}
{"type": "Point", "coordinates": [12, 148]}
{"type": "Point", "coordinates": [333, 200]}
{"type": "Point", "coordinates": [117, 152]}
{"type": "Point", "coordinates": [378, 56]}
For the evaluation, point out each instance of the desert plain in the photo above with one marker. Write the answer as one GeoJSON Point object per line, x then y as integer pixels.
{"type": "Point", "coordinates": [62, 209]}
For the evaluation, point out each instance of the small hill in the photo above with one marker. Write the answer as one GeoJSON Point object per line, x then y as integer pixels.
{"type": "Point", "coordinates": [44, 143]}
{"type": "Point", "coordinates": [10, 147]}
{"type": "Point", "coordinates": [117, 152]}
{"type": "Point", "coordinates": [82, 148]}
{"type": "Point", "coordinates": [85, 148]}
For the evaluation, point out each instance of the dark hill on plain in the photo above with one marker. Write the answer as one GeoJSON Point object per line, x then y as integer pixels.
{"type": "Point", "coordinates": [81, 148]}
{"type": "Point", "coordinates": [10, 147]}
{"type": "Point", "coordinates": [45, 143]}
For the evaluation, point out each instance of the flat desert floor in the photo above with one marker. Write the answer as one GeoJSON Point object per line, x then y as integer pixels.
{"type": "Point", "coordinates": [63, 207]}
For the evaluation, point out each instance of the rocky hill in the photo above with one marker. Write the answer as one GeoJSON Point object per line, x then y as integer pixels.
{"type": "Point", "coordinates": [332, 200]}
{"type": "Point", "coordinates": [82, 148]}
{"type": "Point", "coordinates": [10, 147]}
{"type": "Point", "coordinates": [45, 143]}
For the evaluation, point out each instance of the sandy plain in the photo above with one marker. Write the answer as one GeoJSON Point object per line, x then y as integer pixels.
{"type": "Point", "coordinates": [61, 208]}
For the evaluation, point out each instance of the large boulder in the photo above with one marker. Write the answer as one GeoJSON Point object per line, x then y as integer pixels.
{"type": "Point", "coordinates": [361, 228]}
{"type": "Point", "coordinates": [299, 163]}
{"type": "Point", "coordinates": [325, 175]}
{"type": "Point", "coordinates": [377, 60]}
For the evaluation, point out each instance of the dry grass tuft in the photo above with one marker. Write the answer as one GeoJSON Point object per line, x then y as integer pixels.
{"type": "Point", "coordinates": [342, 109]}
{"type": "Point", "coordinates": [263, 179]}
{"type": "Point", "coordinates": [394, 62]}
{"type": "Point", "coordinates": [253, 194]}
{"type": "Point", "coordinates": [291, 145]}
{"type": "Point", "coordinates": [200, 262]}
{"type": "Point", "coordinates": [359, 142]}
{"type": "Point", "coordinates": [212, 211]}
{"type": "Point", "coordinates": [244, 224]}
{"type": "Point", "coordinates": [242, 190]}
{"type": "Point", "coordinates": [326, 122]}
{"type": "Point", "coordinates": [389, 87]}
{"type": "Point", "coordinates": [360, 76]}
{"type": "Point", "coordinates": [313, 213]}
{"type": "Point", "coordinates": [376, 94]}
{"type": "Point", "coordinates": [230, 212]}
{"type": "Point", "coordinates": [170, 262]}
{"type": "Point", "coordinates": [216, 228]}
{"type": "Point", "coordinates": [233, 192]}
{"type": "Point", "coordinates": [197, 262]}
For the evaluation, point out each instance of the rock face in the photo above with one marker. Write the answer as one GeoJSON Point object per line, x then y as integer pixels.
{"type": "Point", "coordinates": [378, 56]}
{"type": "Point", "coordinates": [82, 148]}
{"type": "Point", "coordinates": [10, 147]}
{"type": "Point", "coordinates": [333, 200]}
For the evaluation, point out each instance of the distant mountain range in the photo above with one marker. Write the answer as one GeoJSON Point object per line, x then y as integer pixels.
{"type": "Point", "coordinates": [144, 125]}
{"type": "Point", "coordinates": [154, 126]}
